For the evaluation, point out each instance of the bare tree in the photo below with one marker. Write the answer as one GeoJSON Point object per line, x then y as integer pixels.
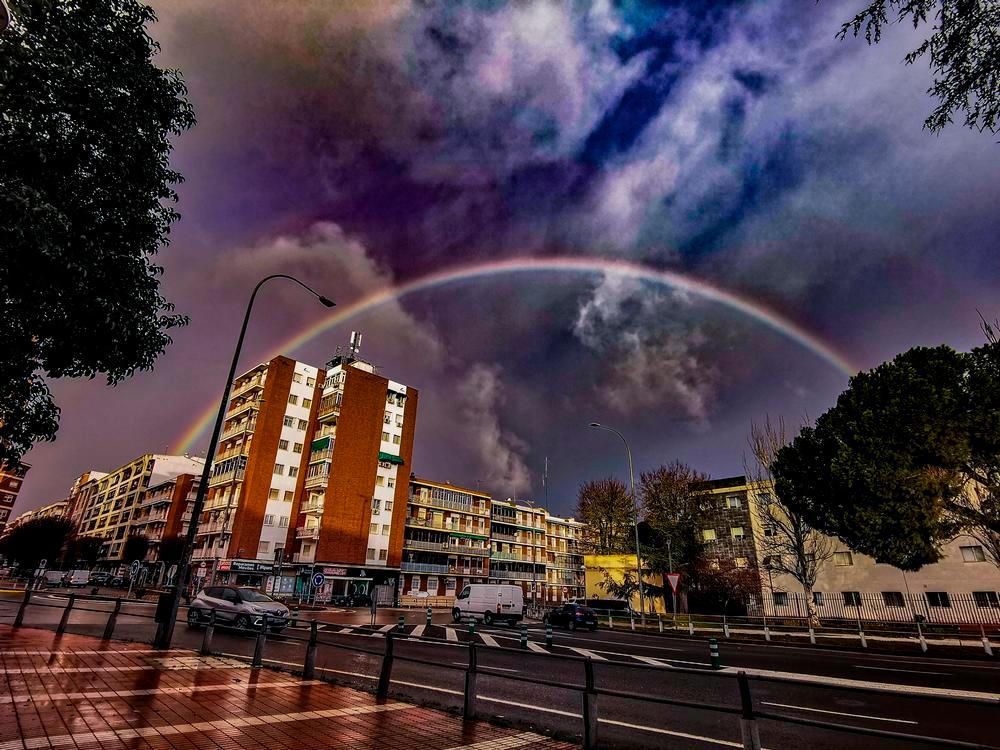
{"type": "Point", "coordinates": [787, 543]}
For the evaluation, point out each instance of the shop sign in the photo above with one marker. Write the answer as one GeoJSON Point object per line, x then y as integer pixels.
{"type": "Point", "coordinates": [335, 571]}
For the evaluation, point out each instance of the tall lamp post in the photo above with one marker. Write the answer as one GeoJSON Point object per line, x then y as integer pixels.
{"type": "Point", "coordinates": [165, 629]}
{"type": "Point", "coordinates": [635, 506]}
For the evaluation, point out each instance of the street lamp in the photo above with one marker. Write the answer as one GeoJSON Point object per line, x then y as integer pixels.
{"type": "Point", "coordinates": [165, 630]}
{"type": "Point", "coordinates": [635, 505]}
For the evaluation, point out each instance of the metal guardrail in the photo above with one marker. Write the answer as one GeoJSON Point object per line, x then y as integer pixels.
{"type": "Point", "coordinates": [590, 691]}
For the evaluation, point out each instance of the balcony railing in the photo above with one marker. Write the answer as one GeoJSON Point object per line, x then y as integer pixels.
{"type": "Point", "coordinates": [426, 523]}
{"type": "Point", "coordinates": [449, 505]}
{"type": "Point", "coordinates": [318, 479]}
{"type": "Point", "coordinates": [237, 429]}
{"type": "Point", "coordinates": [304, 557]}
{"type": "Point", "coordinates": [411, 567]}
{"type": "Point", "coordinates": [514, 575]}
{"type": "Point", "coordinates": [235, 408]}
{"type": "Point", "coordinates": [248, 385]}
{"type": "Point", "coordinates": [307, 532]}
{"type": "Point", "coordinates": [215, 528]}
{"type": "Point", "coordinates": [330, 405]}
{"type": "Point", "coordinates": [467, 572]}
{"type": "Point", "coordinates": [216, 503]}
{"type": "Point", "coordinates": [444, 548]}
{"type": "Point", "coordinates": [323, 455]}
{"type": "Point", "coordinates": [516, 557]}
{"type": "Point", "coordinates": [312, 508]}
{"type": "Point", "coordinates": [234, 475]}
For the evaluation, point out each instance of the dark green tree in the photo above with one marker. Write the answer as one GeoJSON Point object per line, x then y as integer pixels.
{"type": "Point", "coordinates": [605, 507]}
{"type": "Point", "coordinates": [170, 549]}
{"type": "Point", "coordinates": [672, 498]}
{"type": "Point", "coordinates": [85, 202]}
{"type": "Point", "coordinates": [83, 550]}
{"type": "Point", "coordinates": [135, 548]}
{"type": "Point", "coordinates": [36, 540]}
{"type": "Point", "coordinates": [961, 49]}
{"type": "Point", "coordinates": [908, 458]}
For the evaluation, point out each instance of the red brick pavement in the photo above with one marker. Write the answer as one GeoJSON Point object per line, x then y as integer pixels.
{"type": "Point", "coordinates": [79, 693]}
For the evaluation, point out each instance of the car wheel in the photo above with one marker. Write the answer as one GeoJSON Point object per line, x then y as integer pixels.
{"type": "Point", "coordinates": [488, 618]}
{"type": "Point", "coordinates": [571, 625]}
{"type": "Point", "coordinates": [242, 622]}
{"type": "Point", "coordinates": [456, 615]}
{"type": "Point", "coordinates": [194, 618]}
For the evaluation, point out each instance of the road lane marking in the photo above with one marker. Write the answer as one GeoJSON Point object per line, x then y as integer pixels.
{"type": "Point", "coordinates": [230, 726]}
{"type": "Point", "coordinates": [584, 652]}
{"type": "Point", "coordinates": [908, 671]}
{"type": "Point", "coordinates": [931, 663]}
{"type": "Point", "coordinates": [387, 628]}
{"type": "Point", "coordinates": [506, 702]}
{"type": "Point", "coordinates": [503, 743]}
{"type": "Point", "coordinates": [650, 660]}
{"type": "Point", "coordinates": [839, 713]}
{"type": "Point", "coordinates": [682, 735]}
{"type": "Point", "coordinates": [450, 634]}
{"type": "Point", "coordinates": [499, 669]}
{"type": "Point", "coordinates": [535, 647]}
{"type": "Point", "coordinates": [346, 630]}
{"type": "Point", "coordinates": [489, 640]}
{"type": "Point", "coordinates": [421, 686]}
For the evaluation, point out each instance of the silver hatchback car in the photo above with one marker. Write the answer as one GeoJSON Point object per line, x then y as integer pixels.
{"type": "Point", "coordinates": [240, 606]}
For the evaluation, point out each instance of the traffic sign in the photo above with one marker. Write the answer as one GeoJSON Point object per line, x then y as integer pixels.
{"type": "Point", "coordinates": [318, 580]}
{"type": "Point", "coordinates": [201, 572]}
{"type": "Point", "coordinates": [673, 579]}
{"type": "Point", "coordinates": [42, 563]}
{"type": "Point", "coordinates": [134, 567]}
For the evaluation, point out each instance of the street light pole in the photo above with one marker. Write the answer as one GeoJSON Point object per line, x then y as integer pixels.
{"type": "Point", "coordinates": [635, 507]}
{"type": "Point", "coordinates": [165, 630]}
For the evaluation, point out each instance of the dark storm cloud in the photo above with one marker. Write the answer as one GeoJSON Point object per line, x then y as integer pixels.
{"type": "Point", "coordinates": [367, 143]}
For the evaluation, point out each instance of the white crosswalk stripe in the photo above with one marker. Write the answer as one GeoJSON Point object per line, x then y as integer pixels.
{"type": "Point", "coordinates": [585, 652]}
{"type": "Point", "coordinates": [418, 631]}
{"type": "Point", "coordinates": [450, 634]}
{"type": "Point", "coordinates": [489, 640]}
{"type": "Point", "coordinates": [535, 647]}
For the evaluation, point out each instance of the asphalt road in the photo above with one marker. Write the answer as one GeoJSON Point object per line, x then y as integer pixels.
{"type": "Point", "coordinates": [645, 665]}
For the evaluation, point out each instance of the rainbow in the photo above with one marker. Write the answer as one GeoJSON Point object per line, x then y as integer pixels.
{"type": "Point", "coordinates": [579, 265]}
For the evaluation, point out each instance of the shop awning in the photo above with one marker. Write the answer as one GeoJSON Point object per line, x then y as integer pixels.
{"type": "Point", "coordinates": [383, 456]}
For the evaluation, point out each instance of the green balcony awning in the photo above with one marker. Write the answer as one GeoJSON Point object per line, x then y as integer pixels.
{"type": "Point", "coordinates": [383, 456]}
{"type": "Point", "coordinates": [322, 444]}
{"type": "Point", "coordinates": [467, 534]}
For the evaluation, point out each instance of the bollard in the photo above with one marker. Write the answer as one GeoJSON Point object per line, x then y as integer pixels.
{"type": "Point", "coordinates": [690, 626]}
{"type": "Point", "coordinates": [258, 648]}
{"type": "Point", "coordinates": [589, 707]}
{"type": "Point", "coordinates": [65, 615]}
{"type": "Point", "coordinates": [767, 633]}
{"type": "Point", "coordinates": [923, 641]}
{"type": "Point", "coordinates": [524, 636]}
{"type": "Point", "coordinates": [109, 629]}
{"type": "Point", "coordinates": [295, 617]}
{"type": "Point", "coordinates": [987, 646]}
{"type": "Point", "coordinates": [19, 620]}
{"type": "Point", "coordinates": [713, 652]}
{"type": "Point", "coordinates": [429, 617]}
{"type": "Point", "coordinates": [812, 635]}
{"type": "Point", "coordinates": [749, 731]}
{"type": "Point", "coordinates": [309, 667]}
{"type": "Point", "coordinates": [725, 626]}
{"type": "Point", "coordinates": [469, 705]}
{"type": "Point", "coordinates": [472, 626]}
{"type": "Point", "coordinates": [611, 623]}
{"type": "Point", "coordinates": [659, 622]}
{"type": "Point", "coordinates": [548, 635]}
{"type": "Point", "coordinates": [385, 674]}
{"type": "Point", "coordinates": [631, 620]}
{"type": "Point", "coordinates": [861, 635]}
{"type": "Point", "coordinates": [206, 641]}
{"type": "Point", "coordinates": [401, 624]}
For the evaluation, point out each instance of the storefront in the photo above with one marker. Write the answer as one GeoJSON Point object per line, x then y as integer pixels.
{"type": "Point", "coordinates": [347, 581]}
{"type": "Point", "coordinates": [265, 576]}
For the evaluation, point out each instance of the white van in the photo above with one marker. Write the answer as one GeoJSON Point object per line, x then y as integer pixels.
{"type": "Point", "coordinates": [77, 578]}
{"type": "Point", "coordinates": [491, 602]}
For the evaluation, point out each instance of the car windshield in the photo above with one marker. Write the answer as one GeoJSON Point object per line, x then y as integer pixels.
{"type": "Point", "coordinates": [249, 595]}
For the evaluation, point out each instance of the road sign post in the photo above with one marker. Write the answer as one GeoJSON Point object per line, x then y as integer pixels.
{"type": "Point", "coordinates": [674, 580]}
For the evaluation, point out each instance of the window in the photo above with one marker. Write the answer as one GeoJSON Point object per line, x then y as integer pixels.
{"type": "Point", "coordinates": [388, 505]}
{"type": "Point", "coordinates": [768, 531]}
{"type": "Point", "coordinates": [296, 377]}
{"type": "Point", "coordinates": [283, 522]}
{"type": "Point", "coordinates": [371, 554]}
{"type": "Point", "coordinates": [708, 535]}
{"type": "Point", "coordinates": [973, 553]}
{"type": "Point", "coordinates": [385, 529]}
{"type": "Point", "coordinates": [772, 562]}
{"type": "Point", "coordinates": [385, 436]}
{"type": "Point", "coordinates": [387, 419]}
{"type": "Point", "coordinates": [852, 598]}
{"type": "Point", "coordinates": [273, 494]}
{"type": "Point", "coordinates": [383, 554]}
{"type": "Point", "coordinates": [395, 439]}
{"type": "Point", "coordinates": [843, 558]}
{"type": "Point", "coordinates": [736, 532]}
{"type": "Point", "coordinates": [283, 445]}
{"type": "Point", "coordinates": [289, 496]}
{"type": "Point", "coordinates": [279, 469]}
{"type": "Point", "coordinates": [293, 399]}
{"type": "Point", "coordinates": [293, 471]}
{"type": "Point", "coordinates": [303, 425]}
{"type": "Point", "coordinates": [289, 421]}
{"type": "Point", "coordinates": [269, 520]}
{"type": "Point", "coordinates": [311, 382]}
{"type": "Point", "coordinates": [733, 502]}
{"type": "Point", "coordinates": [740, 562]}
{"type": "Point", "coordinates": [938, 599]}
{"type": "Point", "coordinates": [379, 480]}
{"type": "Point", "coordinates": [986, 599]}
{"type": "Point", "coordinates": [263, 548]}
{"type": "Point", "coordinates": [818, 598]}
{"type": "Point", "coordinates": [893, 598]}
{"type": "Point", "coordinates": [297, 448]}
{"type": "Point", "coordinates": [376, 506]}
{"type": "Point", "coordinates": [373, 528]}
{"type": "Point", "coordinates": [780, 598]}
{"type": "Point", "coordinates": [390, 482]}
{"type": "Point", "coordinates": [307, 402]}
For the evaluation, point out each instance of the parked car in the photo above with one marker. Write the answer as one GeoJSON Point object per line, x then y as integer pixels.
{"type": "Point", "coordinates": [605, 607]}
{"type": "Point", "coordinates": [117, 582]}
{"type": "Point", "coordinates": [53, 578]}
{"type": "Point", "coordinates": [491, 602]}
{"type": "Point", "coordinates": [240, 606]}
{"type": "Point", "coordinates": [99, 578]}
{"type": "Point", "coordinates": [572, 616]}
{"type": "Point", "coordinates": [76, 578]}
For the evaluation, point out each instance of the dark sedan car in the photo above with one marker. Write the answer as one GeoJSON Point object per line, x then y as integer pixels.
{"type": "Point", "coordinates": [572, 616]}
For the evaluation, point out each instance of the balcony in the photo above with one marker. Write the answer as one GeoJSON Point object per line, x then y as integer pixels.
{"type": "Point", "coordinates": [248, 385]}
{"type": "Point", "coordinates": [329, 405]}
{"type": "Point", "coordinates": [467, 572]}
{"type": "Point", "coordinates": [442, 547]}
{"type": "Point", "coordinates": [304, 557]}
{"type": "Point", "coordinates": [238, 429]}
{"type": "Point", "coordinates": [427, 523]}
{"type": "Point", "coordinates": [411, 567]}
{"type": "Point", "coordinates": [516, 557]}
{"type": "Point", "coordinates": [307, 532]}
{"type": "Point", "coordinates": [449, 505]}
{"type": "Point", "coordinates": [215, 527]}
{"type": "Point", "coordinates": [323, 455]}
{"type": "Point", "coordinates": [312, 508]}
{"type": "Point", "coordinates": [314, 480]}
{"type": "Point", "coordinates": [216, 503]}
{"type": "Point", "coordinates": [224, 477]}
{"type": "Point", "coordinates": [239, 408]}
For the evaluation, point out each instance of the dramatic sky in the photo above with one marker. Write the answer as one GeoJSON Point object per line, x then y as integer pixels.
{"type": "Point", "coordinates": [364, 144]}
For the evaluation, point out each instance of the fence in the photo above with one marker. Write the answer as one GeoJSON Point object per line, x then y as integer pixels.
{"type": "Point", "coordinates": [598, 696]}
{"type": "Point", "coordinates": [891, 606]}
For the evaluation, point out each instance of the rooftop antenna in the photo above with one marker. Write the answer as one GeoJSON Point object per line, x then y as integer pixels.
{"type": "Point", "coordinates": [545, 482]}
{"type": "Point", "coordinates": [355, 344]}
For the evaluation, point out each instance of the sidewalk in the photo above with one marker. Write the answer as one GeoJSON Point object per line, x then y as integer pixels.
{"type": "Point", "coordinates": [80, 693]}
